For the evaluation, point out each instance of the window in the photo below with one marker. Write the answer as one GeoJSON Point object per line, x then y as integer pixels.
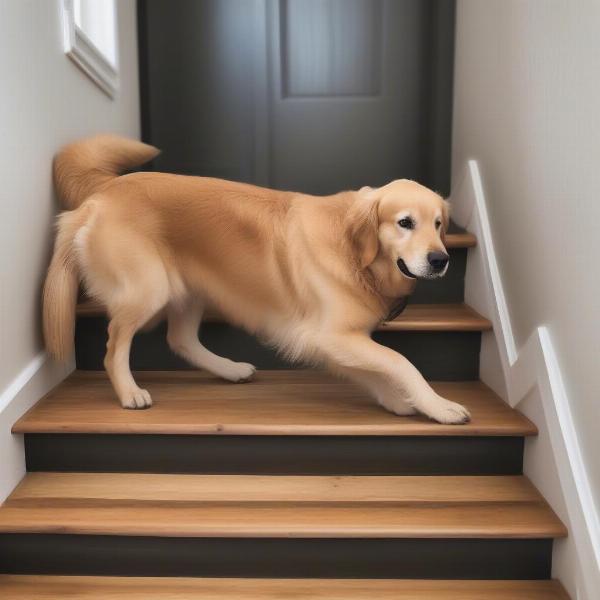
{"type": "Point", "coordinates": [90, 40]}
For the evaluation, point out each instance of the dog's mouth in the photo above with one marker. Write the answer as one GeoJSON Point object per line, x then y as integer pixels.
{"type": "Point", "coordinates": [404, 269]}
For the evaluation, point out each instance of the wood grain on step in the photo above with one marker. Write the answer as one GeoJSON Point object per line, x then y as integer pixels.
{"type": "Point", "coordinates": [285, 402]}
{"type": "Point", "coordinates": [272, 488]}
{"type": "Point", "coordinates": [278, 506]}
{"type": "Point", "coordinates": [44, 587]}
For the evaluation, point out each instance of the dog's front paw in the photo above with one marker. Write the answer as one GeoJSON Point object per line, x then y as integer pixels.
{"type": "Point", "coordinates": [449, 413]}
{"type": "Point", "coordinates": [398, 407]}
{"type": "Point", "coordinates": [239, 372]}
{"type": "Point", "coordinates": [136, 398]}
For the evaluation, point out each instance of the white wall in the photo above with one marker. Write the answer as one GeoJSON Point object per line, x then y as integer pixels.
{"type": "Point", "coordinates": [529, 377]}
{"type": "Point", "coordinates": [527, 89]}
{"type": "Point", "coordinates": [45, 101]}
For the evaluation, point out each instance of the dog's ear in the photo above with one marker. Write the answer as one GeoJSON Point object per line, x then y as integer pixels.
{"type": "Point", "coordinates": [445, 220]}
{"type": "Point", "coordinates": [362, 226]}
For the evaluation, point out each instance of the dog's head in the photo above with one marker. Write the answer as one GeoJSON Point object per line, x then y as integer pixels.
{"type": "Point", "coordinates": [401, 226]}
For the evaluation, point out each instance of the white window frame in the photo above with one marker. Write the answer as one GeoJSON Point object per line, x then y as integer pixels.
{"type": "Point", "coordinates": [86, 55]}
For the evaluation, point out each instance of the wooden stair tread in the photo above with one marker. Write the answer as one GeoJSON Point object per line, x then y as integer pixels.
{"type": "Point", "coordinates": [462, 239]}
{"type": "Point", "coordinates": [438, 317]}
{"type": "Point", "coordinates": [281, 402]}
{"type": "Point", "coordinates": [47, 587]}
{"type": "Point", "coordinates": [274, 488]}
{"type": "Point", "coordinates": [416, 317]}
{"type": "Point", "coordinates": [254, 506]}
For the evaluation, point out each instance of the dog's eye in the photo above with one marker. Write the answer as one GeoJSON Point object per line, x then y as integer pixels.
{"type": "Point", "coordinates": [438, 224]}
{"type": "Point", "coordinates": [406, 223]}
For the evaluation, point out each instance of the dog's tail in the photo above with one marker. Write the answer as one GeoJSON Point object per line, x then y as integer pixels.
{"type": "Point", "coordinates": [83, 167]}
{"type": "Point", "coordinates": [61, 287]}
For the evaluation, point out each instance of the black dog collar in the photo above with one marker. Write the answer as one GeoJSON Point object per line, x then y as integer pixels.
{"type": "Point", "coordinates": [397, 309]}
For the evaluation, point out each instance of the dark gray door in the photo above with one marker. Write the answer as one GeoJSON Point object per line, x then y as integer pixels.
{"type": "Point", "coordinates": [310, 95]}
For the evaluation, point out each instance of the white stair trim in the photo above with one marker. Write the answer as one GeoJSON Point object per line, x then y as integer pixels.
{"type": "Point", "coordinates": [19, 382]}
{"type": "Point", "coordinates": [514, 372]}
{"type": "Point", "coordinates": [34, 380]}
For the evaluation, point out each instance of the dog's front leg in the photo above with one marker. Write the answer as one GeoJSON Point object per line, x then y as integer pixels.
{"type": "Point", "coordinates": [400, 383]}
{"type": "Point", "coordinates": [380, 389]}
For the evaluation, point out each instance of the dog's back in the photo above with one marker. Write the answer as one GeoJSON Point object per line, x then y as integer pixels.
{"type": "Point", "coordinates": [147, 239]}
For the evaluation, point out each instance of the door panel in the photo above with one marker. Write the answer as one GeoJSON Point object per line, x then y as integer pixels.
{"type": "Point", "coordinates": [330, 48]}
{"type": "Point", "coordinates": [198, 62]}
{"type": "Point", "coordinates": [310, 95]}
{"type": "Point", "coordinates": [335, 139]}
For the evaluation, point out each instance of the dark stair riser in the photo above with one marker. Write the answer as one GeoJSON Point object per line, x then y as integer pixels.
{"type": "Point", "coordinates": [442, 356]}
{"type": "Point", "coordinates": [300, 455]}
{"type": "Point", "coordinates": [231, 557]}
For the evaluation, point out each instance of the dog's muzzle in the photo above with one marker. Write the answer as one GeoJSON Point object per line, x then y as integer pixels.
{"type": "Point", "coordinates": [404, 269]}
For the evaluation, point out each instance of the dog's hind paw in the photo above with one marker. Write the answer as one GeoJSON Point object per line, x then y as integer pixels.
{"type": "Point", "coordinates": [239, 372]}
{"type": "Point", "coordinates": [136, 399]}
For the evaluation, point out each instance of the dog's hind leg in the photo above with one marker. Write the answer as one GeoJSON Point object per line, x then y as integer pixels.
{"type": "Point", "coordinates": [182, 336]}
{"type": "Point", "coordinates": [124, 323]}
{"type": "Point", "coordinates": [123, 267]}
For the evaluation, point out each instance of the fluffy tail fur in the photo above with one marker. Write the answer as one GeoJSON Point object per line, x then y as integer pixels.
{"type": "Point", "coordinates": [80, 169]}
{"type": "Point", "coordinates": [60, 293]}
{"type": "Point", "coordinates": [83, 167]}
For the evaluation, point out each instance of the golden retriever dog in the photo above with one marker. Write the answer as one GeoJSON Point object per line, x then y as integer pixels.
{"type": "Point", "coordinates": [311, 275]}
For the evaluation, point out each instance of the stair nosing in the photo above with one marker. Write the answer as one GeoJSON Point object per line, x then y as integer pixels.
{"type": "Point", "coordinates": [273, 587]}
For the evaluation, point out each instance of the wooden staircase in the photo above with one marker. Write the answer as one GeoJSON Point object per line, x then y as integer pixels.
{"type": "Point", "coordinates": [296, 485]}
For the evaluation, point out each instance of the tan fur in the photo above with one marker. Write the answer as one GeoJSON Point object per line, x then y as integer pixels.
{"type": "Point", "coordinates": [311, 275]}
{"type": "Point", "coordinates": [60, 294]}
{"type": "Point", "coordinates": [81, 169]}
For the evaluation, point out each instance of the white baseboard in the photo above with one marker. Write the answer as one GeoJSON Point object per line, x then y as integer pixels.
{"type": "Point", "coordinates": [525, 377]}
{"type": "Point", "coordinates": [38, 377]}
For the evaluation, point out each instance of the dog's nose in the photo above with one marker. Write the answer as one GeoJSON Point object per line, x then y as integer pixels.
{"type": "Point", "coordinates": [437, 260]}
